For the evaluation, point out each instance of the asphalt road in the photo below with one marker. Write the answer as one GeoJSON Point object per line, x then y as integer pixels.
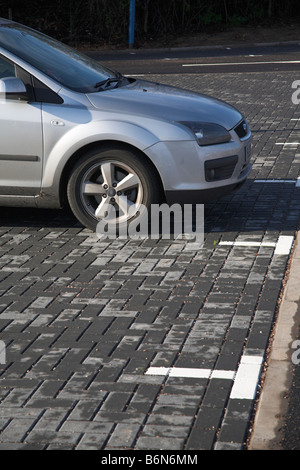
{"type": "Point", "coordinates": [285, 57]}
{"type": "Point", "coordinates": [154, 344]}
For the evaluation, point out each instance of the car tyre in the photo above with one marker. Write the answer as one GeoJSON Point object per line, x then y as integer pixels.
{"type": "Point", "coordinates": [111, 185]}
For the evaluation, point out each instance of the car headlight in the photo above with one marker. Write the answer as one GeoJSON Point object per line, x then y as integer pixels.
{"type": "Point", "coordinates": [207, 133]}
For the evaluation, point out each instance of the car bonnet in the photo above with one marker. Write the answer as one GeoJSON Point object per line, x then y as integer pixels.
{"type": "Point", "coordinates": [153, 100]}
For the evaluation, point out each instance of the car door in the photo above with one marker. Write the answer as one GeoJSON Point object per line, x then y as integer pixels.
{"type": "Point", "coordinates": [21, 142]}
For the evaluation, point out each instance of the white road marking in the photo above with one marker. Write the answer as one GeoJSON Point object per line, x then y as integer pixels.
{"type": "Point", "coordinates": [287, 143]}
{"type": "Point", "coordinates": [258, 244]}
{"type": "Point", "coordinates": [192, 373]}
{"type": "Point", "coordinates": [245, 380]}
{"type": "Point", "coordinates": [282, 246]}
{"type": "Point", "coordinates": [247, 377]}
{"type": "Point", "coordinates": [223, 374]}
{"type": "Point", "coordinates": [276, 181]}
{"type": "Point", "coordinates": [158, 371]}
{"type": "Point", "coordinates": [243, 63]}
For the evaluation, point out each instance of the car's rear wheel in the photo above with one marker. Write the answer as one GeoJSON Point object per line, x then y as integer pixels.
{"type": "Point", "coordinates": [111, 185]}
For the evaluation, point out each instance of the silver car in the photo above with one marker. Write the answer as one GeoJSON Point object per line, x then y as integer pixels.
{"type": "Point", "coordinates": [74, 132]}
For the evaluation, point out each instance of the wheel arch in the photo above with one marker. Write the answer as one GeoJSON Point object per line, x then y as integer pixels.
{"type": "Point", "coordinates": [70, 164]}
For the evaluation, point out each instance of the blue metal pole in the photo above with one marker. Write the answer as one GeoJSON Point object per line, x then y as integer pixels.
{"type": "Point", "coordinates": [131, 23]}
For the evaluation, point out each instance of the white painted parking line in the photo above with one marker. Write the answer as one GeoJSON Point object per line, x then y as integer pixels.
{"type": "Point", "coordinates": [223, 374]}
{"type": "Point", "coordinates": [275, 181]}
{"type": "Point", "coordinates": [191, 373]}
{"type": "Point", "coordinates": [247, 377]}
{"type": "Point", "coordinates": [287, 143]}
{"type": "Point", "coordinates": [257, 244]}
{"type": "Point", "coordinates": [242, 63]}
{"type": "Point", "coordinates": [245, 380]}
{"type": "Point", "coordinates": [158, 371]}
{"type": "Point", "coordinates": [283, 245]}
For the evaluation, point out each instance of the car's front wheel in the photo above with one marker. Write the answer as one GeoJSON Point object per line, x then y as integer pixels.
{"type": "Point", "coordinates": [111, 185]}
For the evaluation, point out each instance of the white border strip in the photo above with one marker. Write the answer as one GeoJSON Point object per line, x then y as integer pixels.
{"type": "Point", "coordinates": [191, 373]}
{"type": "Point", "coordinates": [247, 377]}
{"type": "Point", "coordinates": [278, 181]}
{"type": "Point", "coordinates": [257, 244]}
{"type": "Point", "coordinates": [158, 371]}
{"type": "Point", "coordinates": [245, 380]}
{"type": "Point", "coordinates": [223, 374]}
{"type": "Point", "coordinates": [283, 245]}
{"type": "Point", "coordinates": [287, 143]}
{"type": "Point", "coordinates": [242, 63]}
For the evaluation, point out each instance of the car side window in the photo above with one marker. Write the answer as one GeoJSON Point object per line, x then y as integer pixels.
{"type": "Point", "coordinates": [37, 91]}
{"type": "Point", "coordinates": [7, 68]}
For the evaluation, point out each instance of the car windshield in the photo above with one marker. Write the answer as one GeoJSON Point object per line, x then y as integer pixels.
{"type": "Point", "coordinates": [58, 61]}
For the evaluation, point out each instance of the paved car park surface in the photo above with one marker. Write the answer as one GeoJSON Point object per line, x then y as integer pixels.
{"type": "Point", "coordinates": [152, 344]}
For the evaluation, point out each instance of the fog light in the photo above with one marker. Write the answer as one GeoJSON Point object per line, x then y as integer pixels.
{"type": "Point", "coordinates": [220, 168]}
{"type": "Point", "coordinates": [212, 174]}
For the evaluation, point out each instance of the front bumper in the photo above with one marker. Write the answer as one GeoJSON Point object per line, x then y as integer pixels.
{"type": "Point", "coordinates": [192, 174]}
{"type": "Point", "coordinates": [200, 196]}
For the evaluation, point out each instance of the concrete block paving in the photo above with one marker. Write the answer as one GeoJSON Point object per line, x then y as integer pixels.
{"type": "Point", "coordinates": [150, 344]}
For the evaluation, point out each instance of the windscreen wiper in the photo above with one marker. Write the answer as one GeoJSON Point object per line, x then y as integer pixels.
{"type": "Point", "coordinates": [108, 81]}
